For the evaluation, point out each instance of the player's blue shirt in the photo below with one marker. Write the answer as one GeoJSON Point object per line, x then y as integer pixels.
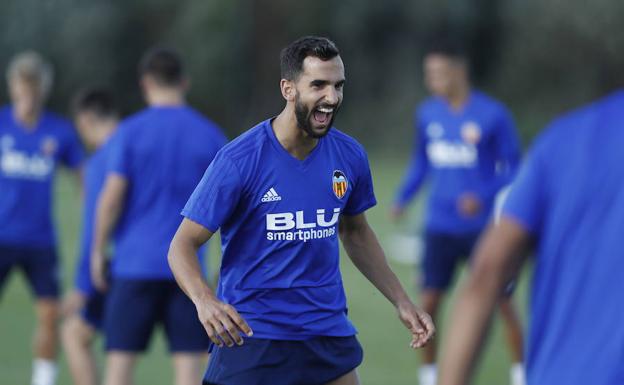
{"type": "Point", "coordinates": [94, 175]}
{"type": "Point", "coordinates": [472, 150]}
{"type": "Point", "coordinates": [162, 152]}
{"type": "Point", "coordinates": [28, 161]}
{"type": "Point", "coordinates": [279, 228]}
{"type": "Point", "coordinates": [569, 194]}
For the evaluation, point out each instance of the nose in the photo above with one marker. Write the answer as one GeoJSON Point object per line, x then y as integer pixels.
{"type": "Point", "coordinates": [332, 95]}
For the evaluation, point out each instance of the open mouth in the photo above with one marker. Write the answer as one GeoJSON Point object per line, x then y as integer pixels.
{"type": "Point", "coordinates": [322, 115]}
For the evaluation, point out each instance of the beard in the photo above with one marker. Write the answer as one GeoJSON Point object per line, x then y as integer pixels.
{"type": "Point", "coordinates": [304, 118]}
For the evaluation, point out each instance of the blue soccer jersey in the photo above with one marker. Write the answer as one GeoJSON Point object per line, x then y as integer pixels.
{"type": "Point", "coordinates": [28, 161]}
{"type": "Point", "coordinates": [569, 194]}
{"type": "Point", "coordinates": [162, 152]}
{"type": "Point", "coordinates": [93, 180]}
{"type": "Point", "coordinates": [472, 150]}
{"type": "Point", "coordinates": [279, 227]}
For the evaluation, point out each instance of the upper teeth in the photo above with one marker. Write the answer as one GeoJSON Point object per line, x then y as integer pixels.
{"type": "Point", "coordinates": [325, 109]}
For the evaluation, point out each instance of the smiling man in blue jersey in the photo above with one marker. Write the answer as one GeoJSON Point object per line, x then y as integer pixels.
{"type": "Point", "coordinates": [96, 118]}
{"type": "Point", "coordinates": [155, 160]}
{"type": "Point", "coordinates": [33, 142]}
{"type": "Point", "coordinates": [282, 194]}
{"type": "Point", "coordinates": [567, 205]}
{"type": "Point", "coordinates": [467, 147]}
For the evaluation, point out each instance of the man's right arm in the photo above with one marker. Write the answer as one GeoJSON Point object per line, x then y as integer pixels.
{"type": "Point", "coordinates": [220, 320]}
{"type": "Point", "coordinates": [498, 257]}
{"type": "Point", "coordinates": [415, 175]}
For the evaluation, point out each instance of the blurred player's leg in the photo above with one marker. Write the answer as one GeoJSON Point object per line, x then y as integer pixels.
{"type": "Point", "coordinates": [189, 367]}
{"type": "Point", "coordinates": [513, 331]}
{"type": "Point", "coordinates": [77, 336]}
{"type": "Point", "coordinates": [119, 368]}
{"type": "Point", "coordinates": [427, 372]}
{"type": "Point", "coordinates": [45, 342]}
{"type": "Point", "coordinates": [350, 378]}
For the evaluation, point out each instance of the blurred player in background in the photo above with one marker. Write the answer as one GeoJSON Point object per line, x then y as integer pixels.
{"type": "Point", "coordinates": [96, 117]}
{"type": "Point", "coordinates": [281, 194]}
{"type": "Point", "coordinates": [156, 158]}
{"type": "Point", "coordinates": [33, 142]}
{"type": "Point", "coordinates": [467, 147]}
{"type": "Point", "coordinates": [567, 204]}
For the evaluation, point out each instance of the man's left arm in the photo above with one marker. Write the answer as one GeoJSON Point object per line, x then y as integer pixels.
{"type": "Point", "coordinates": [364, 249]}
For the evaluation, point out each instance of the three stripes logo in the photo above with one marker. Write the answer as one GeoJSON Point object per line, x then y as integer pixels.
{"type": "Point", "coordinates": [271, 196]}
{"type": "Point", "coordinates": [339, 184]}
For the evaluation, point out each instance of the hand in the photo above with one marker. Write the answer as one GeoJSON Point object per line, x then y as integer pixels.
{"type": "Point", "coordinates": [469, 204]}
{"type": "Point", "coordinates": [418, 322]}
{"type": "Point", "coordinates": [98, 271]}
{"type": "Point", "coordinates": [396, 213]}
{"type": "Point", "coordinates": [222, 322]}
{"type": "Point", "coordinates": [72, 302]}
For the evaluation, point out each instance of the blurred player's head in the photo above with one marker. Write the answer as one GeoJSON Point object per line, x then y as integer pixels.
{"type": "Point", "coordinates": [96, 116]}
{"type": "Point", "coordinates": [29, 77]}
{"type": "Point", "coordinates": [312, 80]}
{"type": "Point", "coordinates": [445, 67]}
{"type": "Point", "coordinates": [162, 74]}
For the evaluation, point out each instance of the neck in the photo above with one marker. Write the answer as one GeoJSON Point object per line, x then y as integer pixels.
{"type": "Point", "coordinates": [458, 98]}
{"type": "Point", "coordinates": [165, 97]}
{"type": "Point", "coordinates": [294, 140]}
{"type": "Point", "coordinates": [28, 119]}
{"type": "Point", "coordinates": [107, 128]}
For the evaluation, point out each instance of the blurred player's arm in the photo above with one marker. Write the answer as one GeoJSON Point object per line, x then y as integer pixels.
{"type": "Point", "coordinates": [109, 206]}
{"type": "Point", "coordinates": [363, 248]}
{"type": "Point", "coordinates": [498, 258]}
{"type": "Point", "coordinates": [415, 175]}
{"type": "Point", "coordinates": [221, 321]}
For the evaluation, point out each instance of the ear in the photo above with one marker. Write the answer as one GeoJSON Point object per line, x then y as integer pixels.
{"type": "Point", "coordinates": [288, 90]}
{"type": "Point", "coordinates": [145, 82]}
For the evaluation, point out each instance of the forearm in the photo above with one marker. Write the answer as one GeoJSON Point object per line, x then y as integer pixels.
{"type": "Point", "coordinates": [465, 336]}
{"type": "Point", "coordinates": [367, 255]}
{"type": "Point", "coordinates": [107, 214]}
{"type": "Point", "coordinates": [186, 269]}
{"type": "Point", "coordinates": [495, 261]}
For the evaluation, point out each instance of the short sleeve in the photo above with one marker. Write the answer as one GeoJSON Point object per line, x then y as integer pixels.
{"type": "Point", "coordinates": [216, 196]}
{"type": "Point", "coordinates": [118, 157]}
{"type": "Point", "coordinates": [73, 153]}
{"type": "Point", "coordinates": [525, 201]}
{"type": "Point", "coordinates": [363, 196]}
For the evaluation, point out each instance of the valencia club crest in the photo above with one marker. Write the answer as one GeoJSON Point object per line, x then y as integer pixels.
{"type": "Point", "coordinates": [339, 184]}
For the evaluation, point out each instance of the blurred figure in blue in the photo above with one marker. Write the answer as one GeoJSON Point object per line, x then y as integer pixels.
{"type": "Point", "coordinates": [33, 142]}
{"type": "Point", "coordinates": [156, 159]}
{"type": "Point", "coordinates": [96, 116]}
{"type": "Point", "coordinates": [468, 149]}
{"type": "Point", "coordinates": [567, 205]}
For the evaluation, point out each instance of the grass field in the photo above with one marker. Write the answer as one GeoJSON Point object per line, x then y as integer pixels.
{"type": "Point", "coordinates": [388, 359]}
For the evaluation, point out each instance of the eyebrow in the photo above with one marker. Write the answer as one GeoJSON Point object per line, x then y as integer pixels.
{"type": "Point", "coordinates": [319, 82]}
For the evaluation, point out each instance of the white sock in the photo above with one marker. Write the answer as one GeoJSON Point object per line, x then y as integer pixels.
{"type": "Point", "coordinates": [44, 372]}
{"type": "Point", "coordinates": [517, 374]}
{"type": "Point", "coordinates": [428, 374]}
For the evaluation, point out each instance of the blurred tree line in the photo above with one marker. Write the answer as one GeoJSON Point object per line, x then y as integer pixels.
{"type": "Point", "coordinates": [541, 57]}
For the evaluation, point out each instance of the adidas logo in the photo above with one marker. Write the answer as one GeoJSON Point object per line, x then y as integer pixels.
{"type": "Point", "coordinates": [271, 196]}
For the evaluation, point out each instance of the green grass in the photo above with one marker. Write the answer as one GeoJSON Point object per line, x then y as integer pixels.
{"type": "Point", "coordinates": [387, 358]}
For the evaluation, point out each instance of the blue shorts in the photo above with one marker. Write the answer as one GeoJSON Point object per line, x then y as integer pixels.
{"type": "Point", "coordinates": [93, 310]}
{"type": "Point", "coordinates": [136, 306]}
{"type": "Point", "coordinates": [40, 266]}
{"type": "Point", "coordinates": [259, 361]}
{"type": "Point", "coordinates": [443, 252]}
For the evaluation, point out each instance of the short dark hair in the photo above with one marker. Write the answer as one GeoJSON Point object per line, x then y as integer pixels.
{"type": "Point", "coordinates": [97, 100]}
{"type": "Point", "coordinates": [292, 57]}
{"type": "Point", "coordinates": [163, 64]}
{"type": "Point", "coordinates": [447, 45]}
